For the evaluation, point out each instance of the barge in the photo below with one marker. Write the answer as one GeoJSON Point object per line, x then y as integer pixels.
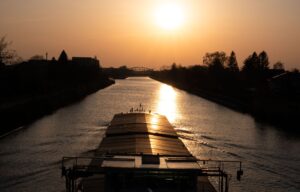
{"type": "Point", "coordinates": [142, 152]}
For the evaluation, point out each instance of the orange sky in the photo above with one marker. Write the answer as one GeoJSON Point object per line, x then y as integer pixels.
{"type": "Point", "coordinates": [125, 32]}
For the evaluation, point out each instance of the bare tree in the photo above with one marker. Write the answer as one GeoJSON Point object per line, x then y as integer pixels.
{"type": "Point", "coordinates": [215, 61]}
{"type": "Point", "coordinates": [7, 56]}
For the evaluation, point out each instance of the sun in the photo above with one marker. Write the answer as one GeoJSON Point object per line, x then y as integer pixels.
{"type": "Point", "coordinates": [169, 16]}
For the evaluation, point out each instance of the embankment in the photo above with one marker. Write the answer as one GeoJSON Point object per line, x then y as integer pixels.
{"type": "Point", "coordinates": [25, 110]}
{"type": "Point", "coordinates": [281, 113]}
{"type": "Point", "coordinates": [35, 88]}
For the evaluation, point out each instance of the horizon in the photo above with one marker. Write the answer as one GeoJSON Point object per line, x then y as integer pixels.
{"type": "Point", "coordinates": [153, 33]}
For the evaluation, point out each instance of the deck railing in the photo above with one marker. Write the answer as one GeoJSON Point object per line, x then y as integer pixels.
{"type": "Point", "coordinates": [74, 168]}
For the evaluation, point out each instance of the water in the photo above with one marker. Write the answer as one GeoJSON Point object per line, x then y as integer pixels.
{"type": "Point", "coordinates": [30, 158]}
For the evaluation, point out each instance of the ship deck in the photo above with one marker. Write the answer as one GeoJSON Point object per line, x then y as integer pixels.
{"type": "Point", "coordinates": [143, 144]}
{"type": "Point", "coordinates": [142, 133]}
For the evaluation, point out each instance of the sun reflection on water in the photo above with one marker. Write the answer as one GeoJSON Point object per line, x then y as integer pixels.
{"type": "Point", "coordinates": [167, 103]}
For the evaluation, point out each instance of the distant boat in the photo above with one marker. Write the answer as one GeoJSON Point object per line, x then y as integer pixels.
{"type": "Point", "coordinates": [142, 152]}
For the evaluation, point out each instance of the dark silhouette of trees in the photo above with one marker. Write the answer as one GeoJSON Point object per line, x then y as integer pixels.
{"type": "Point", "coordinates": [222, 73]}
{"type": "Point", "coordinates": [174, 67]}
{"type": "Point", "coordinates": [256, 69]}
{"type": "Point", "coordinates": [250, 65]}
{"type": "Point", "coordinates": [232, 64]}
{"type": "Point", "coordinates": [7, 56]}
{"type": "Point", "coordinates": [278, 65]}
{"type": "Point", "coordinates": [216, 70]}
{"type": "Point", "coordinates": [36, 87]}
{"type": "Point", "coordinates": [278, 68]}
{"type": "Point", "coordinates": [256, 64]}
{"type": "Point", "coordinates": [37, 57]}
{"type": "Point", "coordinates": [4, 54]}
{"type": "Point", "coordinates": [215, 61]}
{"type": "Point", "coordinates": [118, 73]}
{"type": "Point", "coordinates": [251, 70]}
{"type": "Point", "coordinates": [218, 62]}
{"type": "Point", "coordinates": [263, 61]}
{"type": "Point", "coordinates": [269, 94]}
{"type": "Point", "coordinates": [295, 71]}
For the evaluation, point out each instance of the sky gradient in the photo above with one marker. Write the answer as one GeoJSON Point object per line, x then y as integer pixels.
{"type": "Point", "coordinates": [125, 33]}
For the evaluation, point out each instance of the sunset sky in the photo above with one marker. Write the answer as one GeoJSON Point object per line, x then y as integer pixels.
{"type": "Point", "coordinates": [153, 33]}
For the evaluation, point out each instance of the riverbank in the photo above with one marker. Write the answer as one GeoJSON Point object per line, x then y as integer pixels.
{"type": "Point", "coordinates": [282, 114]}
{"type": "Point", "coordinates": [34, 88]}
{"type": "Point", "coordinates": [24, 111]}
{"type": "Point", "coordinates": [223, 135]}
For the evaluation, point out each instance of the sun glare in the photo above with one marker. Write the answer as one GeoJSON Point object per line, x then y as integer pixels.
{"type": "Point", "coordinates": [167, 102]}
{"type": "Point", "coordinates": [169, 16]}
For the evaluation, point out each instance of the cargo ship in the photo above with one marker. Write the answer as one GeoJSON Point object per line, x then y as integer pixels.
{"type": "Point", "coordinates": [142, 152]}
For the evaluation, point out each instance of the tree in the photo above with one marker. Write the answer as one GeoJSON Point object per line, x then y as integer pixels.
{"type": "Point", "coordinates": [278, 65]}
{"type": "Point", "coordinates": [251, 64]}
{"type": "Point", "coordinates": [295, 70]}
{"type": "Point", "coordinates": [174, 67]}
{"type": "Point", "coordinates": [215, 61]}
{"type": "Point", "coordinates": [232, 64]}
{"type": "Point", "coordinates": [7, 56]}
{"type": "Point", "coordinates": [37, 57]}
{"type": "Point", "coordinates": [263, 61]}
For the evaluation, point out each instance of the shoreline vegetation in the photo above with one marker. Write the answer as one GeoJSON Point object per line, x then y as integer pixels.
{"type": "Point", "coordinates": [38, 87]}
{"type": "Point", "coordinates": [269, 95]}
{"type": "Point", "coordinates": [32, 89]}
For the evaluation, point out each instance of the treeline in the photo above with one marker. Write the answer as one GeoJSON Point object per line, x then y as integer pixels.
{"type": "Point", "coordinates": [38, 86]}
{"type": "Point", "coordinates": [118, 73]}
{"type": "Point", "coordinates": [124, 72]}
{"type": "Point", "coordinates": [269, 94]}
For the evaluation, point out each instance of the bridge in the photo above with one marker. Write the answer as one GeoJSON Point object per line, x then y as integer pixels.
{"type": "Point", "coordinates": [141, 71]}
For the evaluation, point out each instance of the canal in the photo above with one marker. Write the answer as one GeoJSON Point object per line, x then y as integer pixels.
{"type": "Point", "coordinates": [30, 157]}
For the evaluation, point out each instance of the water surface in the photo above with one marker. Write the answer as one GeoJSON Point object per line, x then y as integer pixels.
{"type": "Point", "coordinates": [30, 158]}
